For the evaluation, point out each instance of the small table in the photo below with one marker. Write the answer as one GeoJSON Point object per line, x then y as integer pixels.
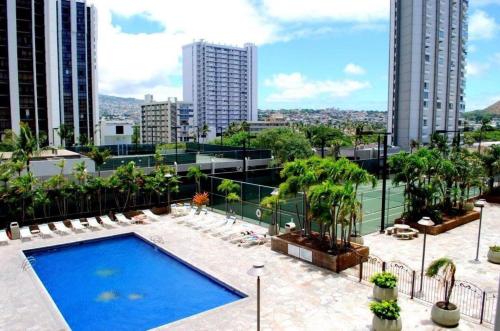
{"type": "Point", "coordinates": [401, 227]}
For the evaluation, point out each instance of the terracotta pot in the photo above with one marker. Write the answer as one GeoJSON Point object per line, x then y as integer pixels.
{"type": "Point", "coordinates": [444, 317]}
{"type": "Point", "coordinates": [357, 240]}
{"type": "Point", "coordinates": [494, 257]}
{"type": "Point", "coordinates": [385, 294]}
{"type": "Point", "coordinates": [379, 324]}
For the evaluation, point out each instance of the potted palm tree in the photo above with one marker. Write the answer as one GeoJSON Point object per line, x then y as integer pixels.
{"type": "Point", "coordinates": [386, 316]}
{"type": "Point", "coordinates": [494, 254]}
{"type": "Point", "coordinates": [385, 286]}
{"type": "Point", "coordinates": [444, 312]}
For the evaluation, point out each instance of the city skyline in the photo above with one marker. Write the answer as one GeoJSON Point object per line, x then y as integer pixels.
{"type": "Point", "coordinates": [310, 56]}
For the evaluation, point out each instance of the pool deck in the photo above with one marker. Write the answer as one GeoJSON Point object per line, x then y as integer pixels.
{"type": "Point", "coordinates": [295, 294]}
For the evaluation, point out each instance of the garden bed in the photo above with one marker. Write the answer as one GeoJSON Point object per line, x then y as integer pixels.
{"type": "Point", "coordinates": [315, 252]}
{"type": "Point", "coordinates": [449, 222]}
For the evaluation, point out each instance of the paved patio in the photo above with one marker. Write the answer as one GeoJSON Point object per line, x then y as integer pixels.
{"type": "Point", "coordinates": [459, 244]}
{"type": "Point", "coordinates": [295, 295]}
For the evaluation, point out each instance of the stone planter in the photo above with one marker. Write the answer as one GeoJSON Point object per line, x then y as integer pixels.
{"type": "Point", "coordinates": [494, 257]}
{"type": "Point", "coordinates": [386, 325]}
{"type": "Point", "coordinates": [444, 317]}
{"type": "Point", "coordinates": [357, 240]}
{"type": "Point", "coordinates": [385, 294]}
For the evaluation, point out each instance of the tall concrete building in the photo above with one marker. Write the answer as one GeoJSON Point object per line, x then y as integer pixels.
{"type": "Point", "coordinates": [428, 41]}
{"type": "Point", "coordinates": [221, 82]}
{"type": "Point", "coordinates": [158, 121]}
{"type": "Point", "coordinates": [48, 65]}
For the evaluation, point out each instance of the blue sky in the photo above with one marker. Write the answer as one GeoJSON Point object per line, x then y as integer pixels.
{"type": "Point", "coordinates": [314, 53]}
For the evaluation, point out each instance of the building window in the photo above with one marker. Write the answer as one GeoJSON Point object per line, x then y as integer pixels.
{"type": "Point", "coordinates": [425, 122]}
{"type": "Point", "coordinates": [438, 105]}
{"type": "Point", "coordinates": [119, 129]}
{"type": "Point", "coordinates": [427, 58]}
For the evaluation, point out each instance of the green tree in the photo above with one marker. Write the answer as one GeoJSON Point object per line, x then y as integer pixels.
{"type": "Point", "coordinates": [99, 156]}
{"type": "Point", "coordinates": [229, 189]}
{"type": "Point", "coordinates": [195, 173]}
{"type": "Point", "coordinates": [447, 268]}
{"type": "Point", "coordinates": [66, 134]}
{"type": "Point", "coordinates": [491, 162]}
{"type": "Point", "coordinates": [136, 137]}
{"type": "Point", "coordinates": [26, 146]}
{"type": "Point", "coordinates": [286, 144]}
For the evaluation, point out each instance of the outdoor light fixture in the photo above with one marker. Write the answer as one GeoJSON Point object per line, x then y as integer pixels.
{"type": "Point", "coordinates": [425, 222]}
{"type": "Point", "coordinates": [258, 270]}
{"type": "Point", "coordinates": [479, 204]}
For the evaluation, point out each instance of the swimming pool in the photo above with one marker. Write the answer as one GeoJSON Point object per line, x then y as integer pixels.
{"type": "Point", "coordinates": [124, 283]}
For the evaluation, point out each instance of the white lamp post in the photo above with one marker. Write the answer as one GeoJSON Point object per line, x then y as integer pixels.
{"type": "Point", "coordinates": [480, 204]}
{"type": "Point", "coordinates": [425, 222]}
{"type": "Point", "coordinates": [256, 271]}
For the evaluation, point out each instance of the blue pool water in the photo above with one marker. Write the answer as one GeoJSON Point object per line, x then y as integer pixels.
{"type": "Point", "coordinates": [124, 283]}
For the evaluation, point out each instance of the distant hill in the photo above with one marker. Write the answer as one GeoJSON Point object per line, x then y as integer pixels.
{"type": "Point", "coordinates": [494, 108]}
{"type": "Point", "coordinates": [120, 107]}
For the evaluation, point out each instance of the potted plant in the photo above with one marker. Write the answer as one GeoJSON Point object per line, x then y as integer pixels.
{"type": "Point", "coordinates": [444, 312]}
{"type": "Point", "coordinates": [386, 316]}
{"type": "Point", "coordinates": [200, 200]}
{"type": "Point", "coordinates": [385, 286]}
{"type": "Point", "coordinates": [494, 254]}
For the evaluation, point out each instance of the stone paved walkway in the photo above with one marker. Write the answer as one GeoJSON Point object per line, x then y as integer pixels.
{"type": "Point", "coordinates": [295, 295]}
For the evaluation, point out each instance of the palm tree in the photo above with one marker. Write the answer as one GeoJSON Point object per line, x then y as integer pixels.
{"type": "Point", "coordinates": [485, 124]}
{"type": "Point", "coordinates": [414, 144]}
{"type": "Point", "coordinates": [204, 131]}
{"type": "Point", "coordinates": [99, 157]}
{"type": "Point", "coordinates": [25, 146]}
{"type": "Point", "coordinates": [195, 173]}
{"type": "Point", "coordinates": [65, 134]}
{"type": "Point", "coordinates": [447, 268]}
{"type": "Point", "coordinates": [229, 188]}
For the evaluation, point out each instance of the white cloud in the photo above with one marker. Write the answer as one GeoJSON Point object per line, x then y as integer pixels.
{"type": "Point", "coordinates": [476, 69]}
{"type": "Point", "coordinates": [482, 26]}
{"type": "Point", "coordinates": [338, 10]}
{"type": "Point", "coordinates": [295, 87]}
{"type": "Point", "coordinates": [354, 69]}
{"type": "Point", "coordinates": [135, 64]}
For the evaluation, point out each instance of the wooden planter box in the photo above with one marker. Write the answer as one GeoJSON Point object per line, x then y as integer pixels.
{"type": "Point", "coordinates": [449, 222]}
{"type": "Point", "coordinates": [286, 245]}
{"type": "Point", "coordinates": [160, 210]}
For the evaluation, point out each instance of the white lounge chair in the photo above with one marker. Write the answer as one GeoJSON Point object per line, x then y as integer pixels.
{"type": "Point", "coordinates": [107, 222]}
{"type": "Point", "coordinates": [45, 231]}
{"type": "Point", "coordinates": [123, 220]}
{"type": "Point", "coordinates": [61, 228]}
{"type": "Point", "coordinates": [200, 220]}
{"type": "Point", "coordinates": [235, 231]}
{"type": "Point", "coordinates": [25, 233]}
{"type": "Point", "coordinates": [93, 224]}
{"type": "Point", "coordinates": [225, 227]}
{"type": "Point", "coordinates": [3, 237]}
{"type": "Point", "coordinates": [254, 240]}
{"type": "Point", "coordinates": [188, 215]}
{"type": "Point", "coordinates": [76, 225]}
{"type": "Point", "coordinates": [213, 224]}
{"type": "Point", "coordinates": [151, 216]}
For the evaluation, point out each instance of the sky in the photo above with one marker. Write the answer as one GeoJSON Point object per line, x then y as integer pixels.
{"type": "Point", "coordinates": [311, 53]}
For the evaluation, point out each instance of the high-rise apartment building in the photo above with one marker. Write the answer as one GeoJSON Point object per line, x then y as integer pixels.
{"type": "Point", "coordinates": [221, 82]}
{"type": "Point", "coordinates": [48, 66]}
{"type": "Point", "coordinates": [158, 121]}
{"type": "Point", "coordinates": [428, 43]}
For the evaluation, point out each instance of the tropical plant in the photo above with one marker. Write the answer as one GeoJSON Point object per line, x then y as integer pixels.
{"type": "Point", "coordinates": [25, 146]}
{"type": "Point", "coordinates": [447, 268]}
{"type": "Point", "coordinates": [491, 162]}
{"type": "Point", "coordinates": [495, 248]}
{"type": "Point", "coordinates": [201, 199]}
{"type": "Point", "coordinates": [99, 156]}
{"type": "Point", "coordinates": [384, 279]}
{"type": "Point", "coordinates": [21, 196]}
{"type": "Point", "coordinates": [126, 180]}
{"type": "Point", "coordinates": [229, 189]}
{"type": "Point", "coordinates": [66, 134]}
{"type": "Point", "coordinates": [136, 136]}
{"type": "Point", "coordinates": [386, 310]}
{"type": "Point", "coordinates": [194, 172]}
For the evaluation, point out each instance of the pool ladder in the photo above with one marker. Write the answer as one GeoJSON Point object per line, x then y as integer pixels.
{"type": "Point", "coordinates": [28, 263]}
{"type": "Point", "coordinates": [157, 239]}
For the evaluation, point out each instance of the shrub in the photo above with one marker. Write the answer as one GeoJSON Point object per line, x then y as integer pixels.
{"type": "Point", "coordinates": [384, 280]}
{"type": "Point", "coordinates": [200, 199]}
{"type": "Point", "coordinates": [495, 248]}
{"type": "Point", "coordinates": [386, 310]}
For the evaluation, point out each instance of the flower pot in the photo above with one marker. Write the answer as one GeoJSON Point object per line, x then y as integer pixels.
{"type": "Point", "coordinates": [385, 294]}
{"type": "Point", "coordinates": [493, 257]}
{"type": "Point", "coordinates": [357, 240]}
{"type": "Point", "coordinates": [379, 324]}
{"type": "Point", "coordinates": [445, 317]}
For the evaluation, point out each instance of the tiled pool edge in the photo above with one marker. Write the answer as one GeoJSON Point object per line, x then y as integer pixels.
{"type": "Point", "coordinates": [59, 318]}
{"type": "Point", "coordinates": [44, 294]}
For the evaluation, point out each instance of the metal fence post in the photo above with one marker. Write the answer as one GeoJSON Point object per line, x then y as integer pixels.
{"type": "Point", "coordinates": [387, 205]}
{"type": "Point", "coordinates": [361, 270]}
{"type": "Point", "coordinates": [241, 200]}
{"type": "Point", "coordinates": [412, 284]}
{"type": "Point", "coordinates": [483, 301]}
